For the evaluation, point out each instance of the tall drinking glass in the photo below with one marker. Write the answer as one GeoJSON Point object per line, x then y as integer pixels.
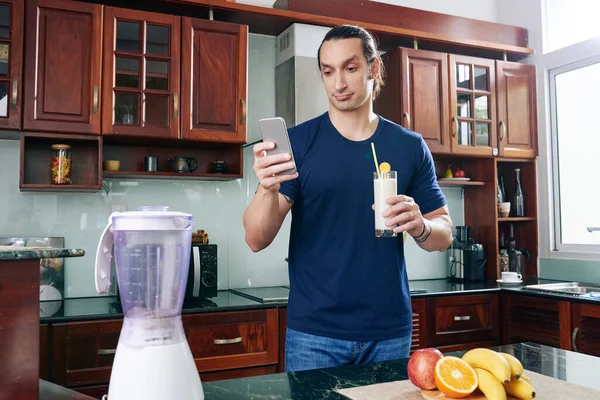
{"type": "Point", "coordinates": [384, 187]}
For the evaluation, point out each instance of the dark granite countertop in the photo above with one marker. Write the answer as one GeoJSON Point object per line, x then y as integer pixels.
{"type": "Point", "coordinates": [37, 253]}
{"type": "Point", "coordinates": [95, 308]}
{"type": "Point", "coordinates": [105, 307]}
{"type": "Point", "coordinates": [576, 368]}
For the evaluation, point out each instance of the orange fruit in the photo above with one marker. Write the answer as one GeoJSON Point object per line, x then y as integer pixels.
{"type": "Point", "coordinates": [454, 377]}
{"type": "Point", "coordinates": [385, 167]}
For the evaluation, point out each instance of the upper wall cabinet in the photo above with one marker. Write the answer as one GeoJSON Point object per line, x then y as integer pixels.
{"type": "Point", "coordinates": [473, 105]}
{"type": "Point", "coordinates": [63, 68]}
{"type": "Point", "coordinates": [419, 99]}
{"type": "Point", "coordinates": [214, 75]}
{"type": "Point", "coordinates": [11, 63]}
{"type": "Point", "coordinates": [517, 110]}
{"type": "Point", "coordinates": [140, 94]}
{"type": "Point", "coordinates": [451, 101]}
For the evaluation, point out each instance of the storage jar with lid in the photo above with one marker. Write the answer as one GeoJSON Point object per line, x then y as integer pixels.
{"type": "Point", "coordinates": [61, 164]}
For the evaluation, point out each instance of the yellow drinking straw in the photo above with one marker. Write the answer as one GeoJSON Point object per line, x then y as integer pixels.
{"type": "Point", "coordinates": [375, 159]}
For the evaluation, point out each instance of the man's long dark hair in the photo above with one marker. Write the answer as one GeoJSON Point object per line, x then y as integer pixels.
{"type": "Point", "coordinates": [369, 49]}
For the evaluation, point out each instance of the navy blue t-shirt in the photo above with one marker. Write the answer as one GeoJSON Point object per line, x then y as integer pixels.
{"type": "Point", "coordinates": [345, 283]}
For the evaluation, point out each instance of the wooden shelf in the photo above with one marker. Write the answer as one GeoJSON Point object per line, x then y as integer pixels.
{"type": "Point", "coordinates": [516, 219]}
{"type": "Point", "coordinates": [36, 153]}
{"type": "Point", "coordinates": [461, 183]}
{"type": "Point", "coordinates": [57, 188]}
{"type": "Point", "coordinates": [168, 175]}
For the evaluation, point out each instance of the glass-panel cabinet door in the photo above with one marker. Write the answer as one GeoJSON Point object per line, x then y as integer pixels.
{"type": "Point", "coordinates": [143, 67]}
{"type": "Point", "coordinates": [472, 98]}
{"type": "Point", "coordinates": [11, 62]}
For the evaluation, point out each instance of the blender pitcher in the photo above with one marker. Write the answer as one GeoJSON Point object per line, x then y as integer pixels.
{"type": "Point", "coordinates": [152, 252]}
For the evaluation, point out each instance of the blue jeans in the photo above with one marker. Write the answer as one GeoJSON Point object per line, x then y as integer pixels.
{"type": "Point", "coordinates": [304, 351]}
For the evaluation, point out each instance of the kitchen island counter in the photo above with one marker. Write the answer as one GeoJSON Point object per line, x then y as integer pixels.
{"type": "Point", "coordinates": [576, 368]}
{"type": "Point", "coordinates": [11, 253]}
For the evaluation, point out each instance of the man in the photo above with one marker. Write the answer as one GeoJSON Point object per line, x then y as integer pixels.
{"type": "Point", "coordinates": [349, 297]}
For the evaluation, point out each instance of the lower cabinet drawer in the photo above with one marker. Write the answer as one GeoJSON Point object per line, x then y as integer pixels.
{"type": "Point", "coordinates": [83, 352]}
{"type": "Point", "coordinates": [463, 319]}
{"type": "Point", "coordinates": [230, 340]}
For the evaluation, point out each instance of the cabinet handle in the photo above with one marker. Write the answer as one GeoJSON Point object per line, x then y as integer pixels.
{"type": "Point", "coordinates": [574, 338]}
{"type": "Point", "coordinates": [228, 341]}
{"type": "Point", "coordinates": [175, 106]}
{"type": "Point", "coordinates": [15, 92]}
{"type": "Point", "coordinates": [462, 317]}
{"type": "Point", "coordinates": [105, 352]}
{"type": "Point", "coordinates": [243, 120]}
{"type": "Point", "coordinates": [407, 116]}
{"type": "Point", "coordinates": [502, 130]}
{"type": "Point", "coordinates": [95, 100]}
{"type": "Point", "coordinates": [455, 131]}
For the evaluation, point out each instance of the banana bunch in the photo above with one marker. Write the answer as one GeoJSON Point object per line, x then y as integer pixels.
{"type": "Point", "coordinates": [499, 374]}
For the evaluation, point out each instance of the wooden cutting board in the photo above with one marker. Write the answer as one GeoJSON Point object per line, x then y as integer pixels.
{"type": "Point", "coordinates": [545, 387]}
{"type": "Point", "coordinates": [437, 395]}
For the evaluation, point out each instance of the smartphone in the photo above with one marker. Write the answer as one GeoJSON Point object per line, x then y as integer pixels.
{"type": "Point", "coordinates": [274, 130]}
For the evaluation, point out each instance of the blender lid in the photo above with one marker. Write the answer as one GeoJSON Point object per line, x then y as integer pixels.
{"type": "Point", "coordinates": [151, 218]}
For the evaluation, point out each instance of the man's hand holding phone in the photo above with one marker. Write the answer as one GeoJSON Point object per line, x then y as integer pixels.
{"type": "Point", "coordinates": [269, 168]}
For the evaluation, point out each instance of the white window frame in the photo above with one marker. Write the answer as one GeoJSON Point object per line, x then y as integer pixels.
{"type": "Point", "coordinates": [559, 249]}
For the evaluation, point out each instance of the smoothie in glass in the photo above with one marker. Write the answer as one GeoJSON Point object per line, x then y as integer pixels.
{"type": "Point", "coordinates": [384, 188]}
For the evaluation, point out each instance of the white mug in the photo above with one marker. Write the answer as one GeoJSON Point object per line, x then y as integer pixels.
{"type": "Point", "coordinates": [511, 277]}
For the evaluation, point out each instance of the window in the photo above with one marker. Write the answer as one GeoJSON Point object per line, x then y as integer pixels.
{"type": "Point", "coordinates": [570, 21]}
{"type": "Point", "coordinates": [574, 113]}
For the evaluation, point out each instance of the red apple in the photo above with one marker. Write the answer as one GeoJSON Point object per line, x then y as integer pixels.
{"type": "Point", "coordinates": [460, 173]}
{"type": "Point", "coordinates": [421, 368]}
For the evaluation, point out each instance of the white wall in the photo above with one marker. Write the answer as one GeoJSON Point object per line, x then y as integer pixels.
{"type": "Point", "coordinates": [477, 9]}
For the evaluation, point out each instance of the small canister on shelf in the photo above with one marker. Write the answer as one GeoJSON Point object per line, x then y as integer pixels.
{"type": "Point", "coordinates": [61, 164]}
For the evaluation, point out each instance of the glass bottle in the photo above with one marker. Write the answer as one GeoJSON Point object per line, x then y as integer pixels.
{"type": "Point", "coordinates": [61, 164]}
{"type": "Point", "coordinates": [501, 190]}
{"type": "Point", "coordinates": [519, 199]}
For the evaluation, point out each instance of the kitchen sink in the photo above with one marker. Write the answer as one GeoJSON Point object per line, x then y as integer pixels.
{"type": "Point", "coordinates": [570, 288]}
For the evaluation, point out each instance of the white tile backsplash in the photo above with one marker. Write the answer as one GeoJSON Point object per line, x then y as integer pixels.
{"type": "Point", "coordinates": [217, 206]}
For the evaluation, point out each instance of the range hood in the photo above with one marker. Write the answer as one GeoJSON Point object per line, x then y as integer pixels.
{"type": "Point", "coordinates": [299, 91]}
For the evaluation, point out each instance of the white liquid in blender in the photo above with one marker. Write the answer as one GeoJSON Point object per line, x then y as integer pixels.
{"type": "Point", "coordinates": [383, 190]}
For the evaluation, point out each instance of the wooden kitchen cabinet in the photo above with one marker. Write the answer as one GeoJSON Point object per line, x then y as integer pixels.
{"type": "Point", "coordinates": [585, 325]}
{"type": "Point", "coordinates": [140, 95]}
{"type": "Point", "coordinates": [214, 80]}
{"type": "Point", "coordinates": [473, 105]}
{"type": "Point", "coordinates": [44, 352]}
{"type": "Point", "coordinates": [63, 66]}
{"type": "Point", "coordinates": [230, 340]}
{"type": "Point", "coordinates": [224, 345]}
{"type": "Point", "coordinates": [416, 94]}
{"type": "Point", "coordinates": [536, 319]}
{"type": "Point", "coordinates": [461, 320]}
{"type": "Point", "coordinates": [517, 110]}
{"type": "Point", "coordinates": [282, 335]}
{"type": "Point", "coordinates": [11, 63]}
{"type": "Point", "coordinates": [83, 352]}
{"type": "Point", "coordinates": [419, 322]}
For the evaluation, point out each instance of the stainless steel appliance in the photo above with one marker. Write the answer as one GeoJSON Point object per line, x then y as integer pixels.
{"type": "Point", "coordinates": [202, 276]}
{"type": "Point", "coordinates": [299, 90]}
{"type": "Point", "coordinates": [466, 259]}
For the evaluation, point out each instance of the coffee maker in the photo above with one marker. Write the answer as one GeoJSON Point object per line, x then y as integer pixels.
{"type": "Point", "coordinates": [466, 258]}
